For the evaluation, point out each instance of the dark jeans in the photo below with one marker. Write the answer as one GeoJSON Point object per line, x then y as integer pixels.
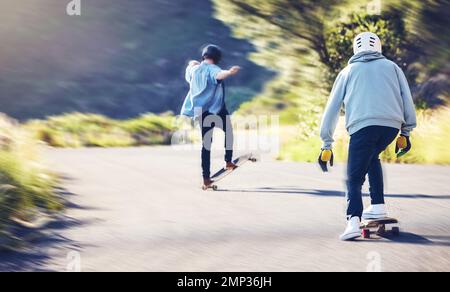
{"type": "Point", "coordinates": [365, 147]}
{"type": "Point", "coordinates": [209, 122]}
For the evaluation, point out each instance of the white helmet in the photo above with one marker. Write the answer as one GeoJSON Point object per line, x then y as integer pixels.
{"type": "Point", "coordinates": [367, 41]}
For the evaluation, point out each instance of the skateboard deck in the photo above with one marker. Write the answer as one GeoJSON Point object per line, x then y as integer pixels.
{"type": "Point", "coordinates": [380, 225]}
{"type": "Point", "coordinates": [223, 173]}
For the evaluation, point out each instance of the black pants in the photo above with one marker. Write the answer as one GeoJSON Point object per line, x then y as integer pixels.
{"type": "Point", "coordinates": [363, 158]}
{"type": "Point", "coordinates": [209, 122]}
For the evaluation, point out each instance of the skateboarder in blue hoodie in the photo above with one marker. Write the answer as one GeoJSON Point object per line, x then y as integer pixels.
{"type": "Point", "coordinates": [378, 105]}
{"type": "Point", "coordinates": [205, 102]}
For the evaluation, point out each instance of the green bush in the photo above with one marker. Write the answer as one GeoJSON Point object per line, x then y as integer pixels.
{"type": "Point", "coordinates": [90, 130]}
{"type": "Point", "coordinates": [150, 129]}
{"type": "Point", "coordinates": [25, 184]}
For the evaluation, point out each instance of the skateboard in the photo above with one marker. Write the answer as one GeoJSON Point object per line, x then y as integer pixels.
{"type": "Point", "coordinates": [380, 225]}
{"type": "Point", "coordinates": [223, 173]}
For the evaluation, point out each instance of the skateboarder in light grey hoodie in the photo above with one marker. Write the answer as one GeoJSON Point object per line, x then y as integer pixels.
{"type": "Point", "coordinates": [378, 105]}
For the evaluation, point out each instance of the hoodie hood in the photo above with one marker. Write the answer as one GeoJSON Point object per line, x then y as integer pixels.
{"type": "Point", "coordinates": [365, 57]}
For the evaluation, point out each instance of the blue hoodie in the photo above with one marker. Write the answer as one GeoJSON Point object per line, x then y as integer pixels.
{"type": "Point", "coordinates": [374, 92]}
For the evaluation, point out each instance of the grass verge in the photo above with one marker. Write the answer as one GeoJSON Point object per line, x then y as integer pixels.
{"type": "Point", "coordinates": [26, 186]}
{"type": "Point", "coordinates": [429, 141]}
{"type": "Point", "coordinates": [91, 130]}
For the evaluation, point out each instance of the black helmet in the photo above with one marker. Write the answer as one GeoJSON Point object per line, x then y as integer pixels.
{"type": "Point", "coordinates": [212, 52]}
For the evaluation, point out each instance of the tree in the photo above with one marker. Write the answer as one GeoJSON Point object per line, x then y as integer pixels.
{"type": "Point", "coordinates": [308, 42]}
{"type": "Point", "coordinates": [431, 66]}
{"type": "Point", "coordinates": [389, 26]}
{"type": "Point", "coordinates": [289, 36]}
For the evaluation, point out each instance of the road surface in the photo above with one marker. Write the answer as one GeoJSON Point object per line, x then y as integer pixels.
{"type": "Point", "coordinates": [141, 209]}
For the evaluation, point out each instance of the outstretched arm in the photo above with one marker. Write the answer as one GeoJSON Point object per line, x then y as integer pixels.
{"type": "Point", "coordinates": [331, 116]}
{"type": "Point", "coordinates": [224, 74]}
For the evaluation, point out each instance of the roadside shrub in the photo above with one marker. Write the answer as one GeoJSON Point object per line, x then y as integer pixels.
{"type": "Point", "coordinates": [25, 184]}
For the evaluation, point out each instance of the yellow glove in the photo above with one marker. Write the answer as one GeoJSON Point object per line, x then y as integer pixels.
{"type": "Point", "coordinates": [326, 156]}
{"type": "Point", "coordinates": [403, 146]}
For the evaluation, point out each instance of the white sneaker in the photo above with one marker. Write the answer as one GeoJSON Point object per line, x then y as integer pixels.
{"type": "Point", "coordinates": [375, 212]}
{"type": "Point", "coordinates": [353, 230]}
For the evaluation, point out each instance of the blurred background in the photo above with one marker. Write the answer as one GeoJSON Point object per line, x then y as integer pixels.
{"type": "Point", "coordinates": [119, 58]}
{"type": "Point", "coordinates": [114, 76]}
{"type": "Point", "coordinates": [123, 60]}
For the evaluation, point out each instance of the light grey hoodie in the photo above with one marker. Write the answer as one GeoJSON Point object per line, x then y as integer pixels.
{"type": "Point", "coordinates": [374, 92]}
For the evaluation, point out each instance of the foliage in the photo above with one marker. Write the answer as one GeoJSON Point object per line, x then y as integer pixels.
{"type": "Point", "coordinates": [389, 26]}
{"type": "Point", "coordinates": [428, 140]}
{"type": "Point", "coordinates": [308, 42]}
{"type": "Point", "coordinates": [25, 184]}
{"type": "Point", "coordinates": [91, 130]}
{"type": "Point", "coordinates": [289, 36]}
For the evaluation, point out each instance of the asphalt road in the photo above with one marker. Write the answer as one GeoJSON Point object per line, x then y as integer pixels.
{"type": "Point", "coordinates": [142, 209]}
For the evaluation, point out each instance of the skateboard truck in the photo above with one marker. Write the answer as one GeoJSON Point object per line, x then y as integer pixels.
{"type": "Point", "coordinates": [380, 225]}
{"type": "Point", "coordinates": [212, 187]}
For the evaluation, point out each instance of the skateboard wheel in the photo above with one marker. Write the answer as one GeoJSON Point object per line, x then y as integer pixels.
{"type": "Point", "coordinates": [215, 188]}
{"type": "Point", "coordinates": [254, 160]}
{"type": "Point", "coordinates": [366, 233]}
{"type": "Point", "coordinates": [395, 231]}
{"type": "Point", "coordinates": [205, 188]}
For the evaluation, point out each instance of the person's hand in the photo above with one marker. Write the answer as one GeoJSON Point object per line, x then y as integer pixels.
{"type": "Point", "coordinates": [326, 155]}
{"type": "Point", "coordinates": [234, 70]}
{"type": "Point", "coordinates": [194, 63]}
{"type": "Point", "coordinates": [402, 146]}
